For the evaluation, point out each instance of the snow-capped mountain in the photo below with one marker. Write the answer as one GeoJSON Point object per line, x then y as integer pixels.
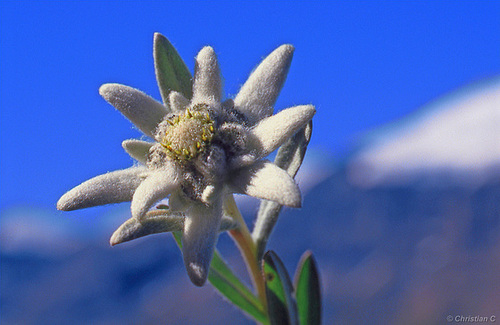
{"type": "Point", "coordinates": [456, 138]}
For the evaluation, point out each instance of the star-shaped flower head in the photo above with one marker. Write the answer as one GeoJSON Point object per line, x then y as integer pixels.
{"type": "Point", "coordinates": [204, 149]}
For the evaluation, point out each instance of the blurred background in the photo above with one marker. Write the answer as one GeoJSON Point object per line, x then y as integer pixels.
{"type": "Point", "coordinates": [401, 182]}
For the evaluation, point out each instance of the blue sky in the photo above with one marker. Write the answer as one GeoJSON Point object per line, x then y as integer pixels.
{"type": "Point", "coordinates": [361, 63]}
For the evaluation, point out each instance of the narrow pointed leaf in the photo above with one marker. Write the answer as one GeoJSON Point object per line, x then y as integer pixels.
{"type": "Point", "coordinates": [307, 291]}
{"type": "Point", "coordinates": [171, 71]}
{"type": "Point", "coordinates": [279, 290]}
{"type": "Point", "coordinates": [289, 157]}
{"type": "Point", "coordinates": [224, 280]}
{"type": "Point", "coordinates": [230, 286]}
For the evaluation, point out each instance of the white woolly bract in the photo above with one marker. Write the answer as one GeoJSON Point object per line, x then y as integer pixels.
{"type": "Point", "coordinates": [198, 241]}
{"type": "Point", "coordinates": [265, 180]}
{"type": "Point", "coordinates": [114, 187]}
{"type": "Point", "coordinates": [177, 101]}
{"type": "Point", "coordinates": [157, 186]}
{"type": "Point", "coordinates": [259, 93]}
{"type": "Point", "coordinates": [207, 85]}
{"type": "Point", "coordinates": [142, 110]}
{"type": "Point", "coordinates": [271, 132]}
{"type": "Point", "coordinates": [137, 149]}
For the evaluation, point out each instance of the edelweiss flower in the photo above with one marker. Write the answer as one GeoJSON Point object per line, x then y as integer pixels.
{"type": "Point", "coordinates": [204, 150]}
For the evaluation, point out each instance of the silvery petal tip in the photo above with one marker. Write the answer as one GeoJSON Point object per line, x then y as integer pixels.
{"type": "Point", "coordinates": [207, 56]}
{"type": "Point", "coordinates": [207, 85]}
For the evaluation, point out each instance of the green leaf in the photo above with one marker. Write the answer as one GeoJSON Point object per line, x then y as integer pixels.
{"type": "Point", "coordinates": [171, 71]}
{"type": "Point", "coordinates": [224, 280]}
{"type": "Point", "coordinates": [230, 286]}
{"type": "Point", "coordinates": [289, 157]}
{"type": "Point", "coordinates": [307, 291]}
{"type": "Point", "coordinates": [279, 290]}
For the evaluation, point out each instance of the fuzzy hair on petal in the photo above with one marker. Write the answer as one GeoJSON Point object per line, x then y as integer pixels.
{"type": "Point", "coordinates": [177, 101]}
{"type": "Point", "coordinates": [157, 186]}
{"type": "Point", "coordinates": [207, 84]}
{"type": "Point", "coordinates": [265, 180]}
{"type": "Point", "coordinates": [199, 238]}
{"type": "Point", "coordinates": [258, 95]}
{"type": "Point", "coordinates": [113, 187]}
{"type": "Point", "coordinates": [153, 223]}
{"type": "Point", "coordinates": [137, 149]}
{"type": "Point", "coordinates": [178, 202]}
{"type": "Point", "coordinates": [142, 110]}
{"type": "Point", "coordinates": [271, 132]}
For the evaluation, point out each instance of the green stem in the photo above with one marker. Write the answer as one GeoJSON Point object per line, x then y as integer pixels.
{"type": "Point", "coordinates": [247, 247]}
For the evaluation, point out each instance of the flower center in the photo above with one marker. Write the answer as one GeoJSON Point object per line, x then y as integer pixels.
{"type": "Point", "coordinates": [188, 134]}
